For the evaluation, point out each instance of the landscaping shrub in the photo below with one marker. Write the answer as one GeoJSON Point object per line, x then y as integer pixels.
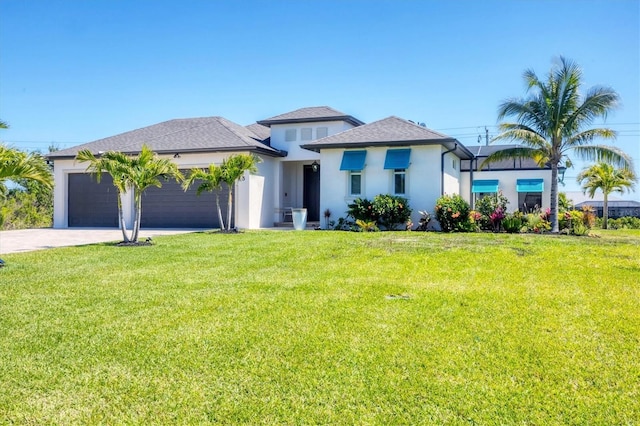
{"type": "Point", "coordinates": [512, 223]}
{"type": "Point", "coordinates": [589, 216]}
{"type": "Point", "coordinates": [385, 210]}
{"type": "Point", "coordinates": [362, 209]}
{"type": "Point", "coordinates": [488, 205]}
{"type": "Point", "coordinates": [452, 212]}
{"type": "Point", "coordinates": [537, 222]}
{"type": "Point", "coordinates": [627, 222]}
{"type": "Point", "coordinates": [391, 210]}
{"type": "Point", "coordinates": [367, 226]}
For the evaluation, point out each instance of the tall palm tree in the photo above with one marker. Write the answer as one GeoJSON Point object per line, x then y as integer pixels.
{"type": "Point", "coordinates": [211, 182]}
{"type": "Point", "coordinates": [16, 164]}
{"type": "Point", "coordinates": [233, 168]}
{"type": "Point", "coordinates": [130, 173]}
{"type": "Point", "coordinates": [608, 179]}
{"type": "Point", "coordinates": [553, 121]}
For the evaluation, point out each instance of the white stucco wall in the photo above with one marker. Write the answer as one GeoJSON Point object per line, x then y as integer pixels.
{"type": "Point", "coordinates": [423, 179]}
{"type": "Point", "coordinates": [295, 153]}
{"type": "Point", "coordinates": [254, 196]}
{"type": "Point", "coordinates": [451, 172]}
{"type": "Point", "coordinates": [507, 180]}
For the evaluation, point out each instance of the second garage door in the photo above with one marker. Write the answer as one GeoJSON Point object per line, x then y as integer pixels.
{"type": "Point", "coordinates": [172, 207]}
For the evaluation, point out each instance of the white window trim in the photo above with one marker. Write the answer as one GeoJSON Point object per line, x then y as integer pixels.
{"type": "Point", "coordinates": [349, 188]}
{"type": "Point", "coordinates": [395, 172]}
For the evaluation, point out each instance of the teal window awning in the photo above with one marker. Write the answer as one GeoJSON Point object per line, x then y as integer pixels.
{"type": "Point", "coordinates": [397, 159]}
{"type": "Point", "coordinates": [481, 186]}
{"type": "Point", "coordinates": [353, 160]}
{"type": "Point", "coordinates": [530, 185]}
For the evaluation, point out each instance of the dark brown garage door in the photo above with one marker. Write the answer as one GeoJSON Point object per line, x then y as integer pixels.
{"type": "Point", "coordinates": [172, 207]}
{"type": "Point", "coordinates": [92, 203]}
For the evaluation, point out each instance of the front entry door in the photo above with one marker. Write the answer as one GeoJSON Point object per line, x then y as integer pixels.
{"type": "Point", "coordinates": [311, 193]}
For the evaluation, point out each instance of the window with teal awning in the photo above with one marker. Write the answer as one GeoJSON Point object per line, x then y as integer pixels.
{"type": "Point", "coordinates": [353, 160]}
{"type": "Point", "coordinates": [484, 186]}
{"type": "Point", "coordinates": [530, 185]}
{"type": "Point", "coordinates": [397, 159]}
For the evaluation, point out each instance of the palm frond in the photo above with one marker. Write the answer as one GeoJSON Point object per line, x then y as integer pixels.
{"type": "Point", "coordinates": [521, 133]}
{"type": "Point", "coordinates": [606, 154]}
{"type": "Point", "coordinates": [514, 153]}
{"type": "Point", "coordinates": [588, 136]}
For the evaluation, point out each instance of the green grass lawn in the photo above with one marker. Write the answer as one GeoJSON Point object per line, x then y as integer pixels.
{"type": "Point", "coordinates": [325, 328]}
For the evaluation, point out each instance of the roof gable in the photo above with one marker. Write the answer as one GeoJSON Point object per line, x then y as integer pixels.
{"type": "Point", "coordinates": [311, 114]}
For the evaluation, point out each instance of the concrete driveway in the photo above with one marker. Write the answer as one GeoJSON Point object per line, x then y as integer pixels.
{"type": "Point", "coordinates": [39, 239]}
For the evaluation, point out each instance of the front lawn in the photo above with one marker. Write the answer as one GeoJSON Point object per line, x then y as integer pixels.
{"type": "Point", "coordinates": [325, 328]}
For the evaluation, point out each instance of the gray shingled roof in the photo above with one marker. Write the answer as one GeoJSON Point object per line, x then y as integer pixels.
{"type": "Point", "coordinates": [311, 114]}
{"type": "Point", "coordinates": [263, 132]}
{"type": "Point", "coordinates": [483, 151]}
{"type": "Point", "coordinates": [390, 131]}
{"type": "Point", "coordinates": [206, 134]}
{"type": "Point", "coordinates": [610, 204]}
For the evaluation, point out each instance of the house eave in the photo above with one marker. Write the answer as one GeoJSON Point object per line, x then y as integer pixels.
{"type": "Point", "coordinates": [450, 143]}
{"type": "Point", "coordinates": [264, 151]}
{"type": "Point", "coordinates": [349, 119]}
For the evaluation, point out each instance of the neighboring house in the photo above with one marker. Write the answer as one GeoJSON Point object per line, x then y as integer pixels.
{"type": "Point", "coordinates": [522, 181]}
{"type": "Point", "coordinates": [317, 158]}
{"type": "Point", "coordinates": [616, 208]}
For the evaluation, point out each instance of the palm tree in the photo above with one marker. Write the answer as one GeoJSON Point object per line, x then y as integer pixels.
{"type": "Point", "coordinates": [146, 170]}
{"type": "Point", "coordinates": [233, 168]}
{"type": "Point", "coordinates": [131, 173]}
{"type": "Point", "coordinates": [552, 121]}
{"type": "Point", "coordinates": [16, 164]}
{"type": "Point", "coordinates": [116, 164]}
{"type": "Point", "coordinates": [211, 182]}
{"type": "Point", "coordinates": [608, 179]}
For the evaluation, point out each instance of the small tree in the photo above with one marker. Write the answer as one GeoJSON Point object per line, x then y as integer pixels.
{"type": "Point", "coordinates": [211, 181]}
{"type": "Point", "coordinates": [607, 179]}
{"type": "Point", "coordinates": [233, 168]}
{"type": "Point", "coordinates": [131, 173]}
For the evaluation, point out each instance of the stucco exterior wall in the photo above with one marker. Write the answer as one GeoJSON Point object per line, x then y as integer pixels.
{"type": "Point", "coordinates": [423, 179]}
{"type": "Point", "coordinates": [507, 180]}
{"type": "Point", "coordinates": [295, 153]}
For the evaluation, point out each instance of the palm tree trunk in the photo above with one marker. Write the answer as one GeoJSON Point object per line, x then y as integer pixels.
{"type": "Point", "coordinates": [230, 204]}
{"type": "Point", "coordinates": [605, 210]}
{"type": "Point", "coordinates": [219, 212]}
{"type": "Point", "coordinates": [137, 210]}
{"type": "Point", "coordinates": [554, 198]}
{"type": "Point", "coordinates": [123, 224]}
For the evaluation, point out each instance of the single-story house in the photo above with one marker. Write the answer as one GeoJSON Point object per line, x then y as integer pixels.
{"type": "Point", "coordinates": [615, 208]}
{"type": "Point", "coordinates": [316, 158]}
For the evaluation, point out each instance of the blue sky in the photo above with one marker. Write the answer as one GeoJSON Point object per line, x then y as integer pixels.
{"type": "Point", "coordinates": [76, 71]}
